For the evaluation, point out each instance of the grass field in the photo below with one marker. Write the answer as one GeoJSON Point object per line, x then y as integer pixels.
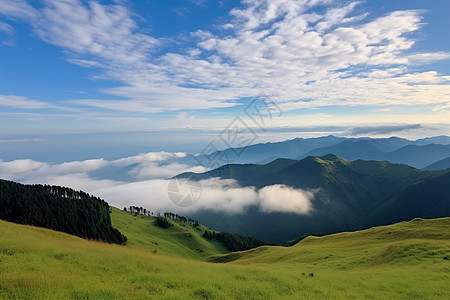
{"type": "Point", "coordinates": [401, 261]}
{"type": "Point", "coordinates": [182, 241]}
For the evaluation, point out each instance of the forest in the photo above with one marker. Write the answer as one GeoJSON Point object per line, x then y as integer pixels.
{"type": "Point", "coordinates": [58, 208]}
{"type": "Point", "coordinates": [235, 242]}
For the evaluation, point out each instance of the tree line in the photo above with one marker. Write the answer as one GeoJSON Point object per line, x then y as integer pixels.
{"type": "Point", "coordinates": [235, 242]}
{"type": "Point", "coordinates": [58, 208]}
{"type": "Point", "coordinates": [181, 219]}
{"type": "Point", "coordinates": [231, 241]}
{"type": "Point", "coordinates": [138, 210]}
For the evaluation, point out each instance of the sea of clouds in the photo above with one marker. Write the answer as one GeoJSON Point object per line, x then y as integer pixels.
{"type": "Point", "coordinates": [143, 180]}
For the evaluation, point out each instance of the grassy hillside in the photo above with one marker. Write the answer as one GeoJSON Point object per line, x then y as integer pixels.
{"type": "Point", "coordinates": [182, 241]}
{"type": "Point", "coordinates": [405, 243]}
{"type": "Point", "coordinates": [403, 261]}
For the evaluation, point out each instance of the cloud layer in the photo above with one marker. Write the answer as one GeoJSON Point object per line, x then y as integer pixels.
{"type": "Point", "coordinates": [146, 185]}
{"type": "Point", "coordinates": [79, 174]}
{"type": "Point", "coordinates": [224, 196]}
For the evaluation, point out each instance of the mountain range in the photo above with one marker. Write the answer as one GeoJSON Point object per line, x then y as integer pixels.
{"type": "Point", "coordinates": [439, 165]}
{"type": "Point", "coordinates": [425, 154]}
{"type": "Point", "coordinates": [348, 195]}
{"type": "Point", "coordinates": [419, 153]}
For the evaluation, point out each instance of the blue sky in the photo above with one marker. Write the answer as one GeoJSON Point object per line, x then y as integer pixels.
{"type": "Point", "coordinates": [81, 79]}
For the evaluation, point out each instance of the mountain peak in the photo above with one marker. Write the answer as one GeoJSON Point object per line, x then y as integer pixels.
{"type": "Point", "coordinates": [334, 158]}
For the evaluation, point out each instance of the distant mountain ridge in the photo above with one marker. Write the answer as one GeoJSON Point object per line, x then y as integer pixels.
{"type": "Point", "coordinates": [419, 153]}
{"type": "Point", "coordinates": [413, 155]}
{"type": "Point", "coordinates": [439, 165]}
{"type": "Point", "coordinates": [350, 195]}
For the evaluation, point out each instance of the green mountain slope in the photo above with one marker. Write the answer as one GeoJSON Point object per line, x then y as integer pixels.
{"type": "Point", "coordinates": [77, 213]}
{"type": "Point", "coordinates": [406, 243]}
{"type": "Point", "coordinates": [403, 261]}
{"type": "Point", "coordinates": [178, 240]}
{"type": "Point", "coordinates": [348, 195]}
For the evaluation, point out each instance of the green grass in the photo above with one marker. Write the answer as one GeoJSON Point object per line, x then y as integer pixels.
{"type": "Point", "coordinates": [407, 243]}
{"type": "Point", "coordinates": [402, 261]}
{"type": "Point", "coordinates": [182, 241]}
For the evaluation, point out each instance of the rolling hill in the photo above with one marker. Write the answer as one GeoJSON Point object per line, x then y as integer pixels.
{"type": "Point", "coordinates": [78, 213]}
{"type": "Point", "coordinates": [409, 242]}
{"type": "Point", "coordinates": [181, 240]}
{"type": "Point", "coordinates": [403, 261]}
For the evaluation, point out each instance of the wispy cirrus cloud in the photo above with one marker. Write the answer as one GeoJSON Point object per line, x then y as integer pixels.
{"type": "Point", "coordinates": [18, 9]}
{"type": "Point", "coordinates": [301, 56]}
{"type": "Point", "coordinates": [381, 129]}
{"type": "Point", "coordinates": [8, 30]}
{"type": "Point", "coordinates": [442, 107]}
{"type": "Point", "coordinates": [22, 102]}
{"type": "Point", "coordinates": [14, 141]}
{"type": "Point", "coordinates": [25, 103]}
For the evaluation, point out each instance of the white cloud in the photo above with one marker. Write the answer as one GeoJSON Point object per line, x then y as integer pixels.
{"type": "Point", "coordinates": [77, 167]}
{"type": "Point", "coordinates": [140, 167]}
{"type": "Point", "coordinates": [151, 194]}
{"type": "Point", "coordinates": [283, 48]}
{"type": "Point", "coordinates": [22, 102]}
{"type": "Point", "coordinates": [84, 63]}
{"type": "Point", "coordinates": [281, 198]}
{"type": "Point", "coordinates": [13, 141]}
{"type": "Point", "coordinates": [6, 28]}
{"type": "Point", "coordinates": [148, 185]}
{"type": "Point", "coordinates": [147, 157]}
{"type": "Point", "coordinates": [442, 107]}
{"type": "Point", "coordinates": [151, 170]}
{"type": "Point", "coordinates": [224, 196]}
{"type": "Point", "coordinates": [425, 58]}
{"type": "Point", "coordinates": [8, 170]}
{"type": "Point", "coordinates": [78, 182]}
{"type": "Point", "coordinates": [74, 174]}
{"type": "Point", "coordinates": [219, 195]}
{"type": "Point", "coordinates": [338, 16]}
{"type": "Point", "coordinates": [385, 129]}
{"type": "Point", "coordinates": [153, 165]}
{"type": "Point", "coordinates": [18, 9]}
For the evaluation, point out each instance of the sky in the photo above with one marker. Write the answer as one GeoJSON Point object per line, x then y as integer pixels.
{"type": "Point", "coordinates": [129, 85]}
{"type": "Point", "coordinates": [169, 75]}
